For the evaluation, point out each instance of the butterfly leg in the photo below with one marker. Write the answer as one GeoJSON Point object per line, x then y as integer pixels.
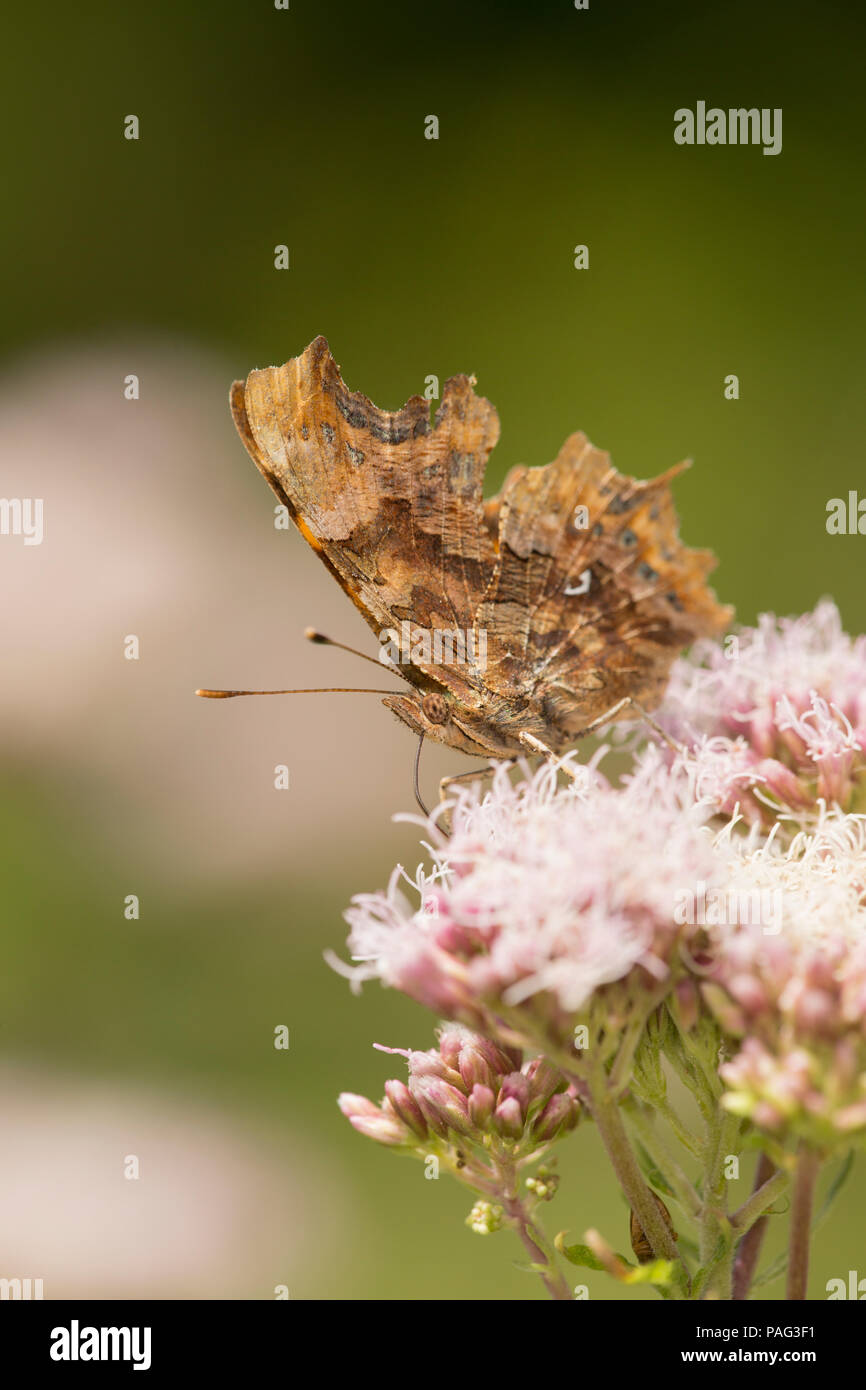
{"type": "Point", "coordinates": [639, 710]}
{"type": "Point", "coordinates": [535, 745]}
{"type": "Point", "coordinates": [447, 782]}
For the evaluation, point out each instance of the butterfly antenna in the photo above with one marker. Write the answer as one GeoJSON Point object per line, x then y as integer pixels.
{"type": "Point", "coordinates": [417, 788]}
{"type": "Point", "coordinates": [312, 634]}
{"type": "Point", "coordinates": [318, 690]}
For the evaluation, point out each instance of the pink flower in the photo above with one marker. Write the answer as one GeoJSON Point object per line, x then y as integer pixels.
{"type": "Point", "coordinates": [547, 897]}
{"type": "Point", "coordinates": [792, 994]}
{"type": "Point", "coordinates": [774, 716]}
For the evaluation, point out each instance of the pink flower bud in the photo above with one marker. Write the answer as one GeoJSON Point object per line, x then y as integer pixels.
{"type": "Point", "coordinates": [406, 1107]}
{"type": "Point", "coordinates": [444, 1106]}
{"type": "Point", "coordinates": [451, 1043]}
{"type": "Point", "coordinates": [475, 1069]}
{"type": "Point", "coordinates": [508, 1118]}
{"type": "Point", "coordinates": [544, 1079]}
{"type": "Point", "coordinates": [515, 1086]}
{"type": "Point", "coordinates": [481, 1103]}
{"type": "Point", "coordinates": [369, 1120]}
{"type": "Point", "coordinates": [499, 1063]}
{"type": "Point", "coordinates": [431, 1064]}
{"type": "Point", "coordinates": [559, 1115]}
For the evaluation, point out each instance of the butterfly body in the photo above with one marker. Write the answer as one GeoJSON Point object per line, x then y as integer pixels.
{"type": "Point", "coordinates": [534, 611]}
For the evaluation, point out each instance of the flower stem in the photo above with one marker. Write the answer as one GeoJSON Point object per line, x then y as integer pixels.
{"type": "Point", "coordinates": [805, 1177]}
{"type": "Point", "coordinates": [505, 1183]}
{"type": "Point", "coordinates": [749, 1248]}
{"type": "Point", "coordinates": [682, 1188]}
{"type": "Point", "coordinates": [610, 1126]}
{"type": "Point", "coordinates": [539, 1251]}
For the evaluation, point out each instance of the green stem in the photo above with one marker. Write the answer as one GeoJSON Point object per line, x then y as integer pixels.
{"type": "Point", "coordinates": [722, 1135]}
{"type": "Point", "coordinates": [664, 1160]}
{"type": "Point", "coordinates": [754, 1209]}
{"type": "Point", "coordinates": [610, 1126]}
{"type": "Point", "coordinates": [720, 1280]}
{"type": "Point", "coordinates": [805, 1177]}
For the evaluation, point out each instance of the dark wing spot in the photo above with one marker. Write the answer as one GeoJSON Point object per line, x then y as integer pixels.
{"type": "Point", "coordinates": [618, 505]}
{"type": "Point", "coordinates": [646, 571]}
{"type": "Point", "coordinates": [328, 432]}
{"type": "Point", "coordinates": [628, 538]}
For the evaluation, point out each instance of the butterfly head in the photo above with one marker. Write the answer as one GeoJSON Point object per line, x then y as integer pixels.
{"type": "Point", "coordinates": [437, 715]}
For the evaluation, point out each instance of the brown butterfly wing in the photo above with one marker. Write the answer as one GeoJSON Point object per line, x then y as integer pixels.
{"type": "Point", "coordinates": [637, 594]}
{"type": "Point", "coordinates": [392, 506]}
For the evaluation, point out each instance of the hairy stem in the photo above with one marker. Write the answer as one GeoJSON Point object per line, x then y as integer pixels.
{"type": "Point", "coordinates": [664, 1160]}
{"type": "Point", "coordinates": [610, 1126]}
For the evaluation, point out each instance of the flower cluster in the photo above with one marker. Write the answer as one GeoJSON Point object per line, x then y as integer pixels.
{"type": "Point", "coordinates": [705, 916]}
{"type": "Point", "coordinates": [548, 905]}
{"type": "Point", "coordinates": [795, 996]}
{"type": "Point", "coordinates": [471, 1103]}
{"type": "Point", "coordinates": [775, 718]}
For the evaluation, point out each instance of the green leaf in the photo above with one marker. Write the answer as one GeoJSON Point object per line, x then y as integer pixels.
{"type": "Point", "coordinates": [657, 1272]}
{"type": "Point", "coordinates": [653, 1174]}
{"type": "Point", "coordinates": [772, 1272]}
{"type": "Point", "coordinates": [688, 1247]}
{"type": "Point", "coordinates": [584, 1257]}
{"type": "Point", "coordinates": [833, 1190]}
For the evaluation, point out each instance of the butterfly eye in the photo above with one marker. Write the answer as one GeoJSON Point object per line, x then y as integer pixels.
{"type": "Point", "coordinates": [435, 709]}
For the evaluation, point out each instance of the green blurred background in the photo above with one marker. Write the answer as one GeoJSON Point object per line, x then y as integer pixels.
{"type": "Point", "coordinates": [156, 257]}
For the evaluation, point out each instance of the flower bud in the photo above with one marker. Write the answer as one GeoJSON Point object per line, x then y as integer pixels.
{"type": "Point", "coordinates": [475, 1069]}
{"type": "Point", "coordinates": [495, 1057]}
{"type": "Point", "coordinates": [559, 1115]}
{"type": "Point", "coordinates": [515, 1086]}
{"type": "Point", "coordinates": [481, 1103]}
{"type": "Point", "coordinates": [431, 1064]}
{"type": "Point", "coordinates": [406, 1107]}
{"type": "Point", "coordinates": [443, 1105]}
{"type": "Point", "coordinates": [370, 1120]}
{"type": "Point", "coordinates": [544, 1079]}
{"type": "Point", "coordinates": [451, 1043]}
{"type": "Point", "coordinates": [508, 1118]}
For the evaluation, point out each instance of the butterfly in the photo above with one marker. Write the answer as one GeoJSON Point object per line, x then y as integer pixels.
{"type": "Point", "coordinates": [527, 619]}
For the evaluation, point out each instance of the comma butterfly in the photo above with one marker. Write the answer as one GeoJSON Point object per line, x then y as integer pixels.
{"type": "Point", "coordinates": [523, 620]}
